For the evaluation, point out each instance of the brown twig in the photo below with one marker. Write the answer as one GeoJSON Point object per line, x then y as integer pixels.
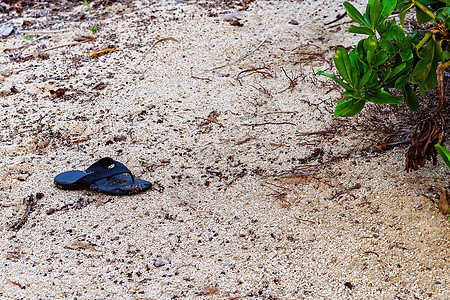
{"type": "Point", "coordinates": [212, 121]}
{"type": "Point", "coordinates": [292, 81]}
{"type": "Point", "coordinates": [202, 78]}
{"type": "Point", "coordinates": [153, 46]}
{"type": "Point", "coordinates": [30, 202]}
{"type": "Point", "coordinates": [21, 48]}
{"type": "Point", "coordinates": [69, 44]}
{"type": "Point", "coordinates": [242, 57]}
{"type": "Point", "coordinates": [264, 71]}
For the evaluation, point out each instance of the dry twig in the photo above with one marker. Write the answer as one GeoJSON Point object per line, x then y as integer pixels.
{"type": "Point", "coordinates": [153, 46]}
{"type": "Point", "coordinates": [242, 57]}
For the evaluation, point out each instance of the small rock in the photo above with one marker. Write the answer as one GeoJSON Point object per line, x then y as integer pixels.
{"type": "Point", "coordinates": [58, 93]}
{"type": "Point", "coordinates": [349, 285]}
{"type": "Point", "coordinates": [235, 22]}
{"type": "Point", "coordinates": [6, 72]}
{"type": "Point", "coordinates": [43, 144]}
{"type": "Point", "coordinates": [51, 211]}
{"type": "Point", "coordinates": [119, 138]}
{"type": "Point", "coordinates": [161, 262]}
{"type": "Point", "coordinates": [165, 161]}
{"type": "Point", "coordinates": [69, 202]}
{"type": "Point", "coordinates": [293, 22]}
{"type": "Point", "coordinates": [99, 86]}
{"type": "Point", "coordinates": [6, 30]}
{"type": "Point", "coordinates": [230, 16]}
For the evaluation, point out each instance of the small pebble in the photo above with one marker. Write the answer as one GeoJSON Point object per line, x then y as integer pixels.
{"type": "Point", "coordinates": [293, 22]}
{"type": "Point", "coordinates": [43, 144]}
{"type": "Point", "coordinates": [161, 262]}
{"type": "Point", "coordinates": [99, 86]}
{"type": "Point", "coordinates": [51, 211]}
{"type": "Point", "coordinates": [120, 138]}
{"type": "Point", "coordinates": [69, 202]}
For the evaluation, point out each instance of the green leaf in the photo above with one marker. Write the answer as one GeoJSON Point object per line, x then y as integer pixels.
{"type": "Point", "coordinates": [422, 90]}
{"type": "Point", "coordinates": [388, 8]}
{"type": "Point", "coordinates": [401, 81]}
{"type": "Point", "coordinates": [406, 54]}
{"type": "Point", "coordinates": [420, 66]}
{"type": "Point", "coordinates": [370, 44]}
{"type": "Point", "coordinates": [342, 62]}
{"type": "Point", "coordinates": [428, 78]}
{"type": "Point", "coordinates": [354, 14]}
{"type": "Point", "coordinates": [365, 78]}
{"type": "Point", "coordinates": [444, 153]}
{"type": "Point", "coordinates": [375, 14]}
{"type": "Point", "coordinates": [446, 54]}
{"type": "Point", "coordinates": [380, 58]}
{"type": "Point", "coordinates": [398, 69]}
{"type": "Point", "coordinates": [410, 97]}
{"type": "Point", "coordinates": [422, 17]}
{"type": "Point", "coordinates": [415, 37]}
{"type": "Point", "coordinates": [336, 79]}
{"type": "Point", "coordinates": [403, 13]}
{"type": "Point", "coordinates": [360, 30]}
{"type": "Point", "coordinates": [349, 108]}
{"type": "Point", "coordinates": [370, 57]}
{"type": "Point", "coordinates": [383, 97]}
{"type": "Point", "coordinates": [387, 46]}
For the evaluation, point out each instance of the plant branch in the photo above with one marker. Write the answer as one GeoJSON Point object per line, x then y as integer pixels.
{"type": "Point", "coordinates": [424, 9]}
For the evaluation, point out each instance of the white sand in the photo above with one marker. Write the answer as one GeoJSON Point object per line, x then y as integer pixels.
{"type": "Point", "coordinates": [226, 237]}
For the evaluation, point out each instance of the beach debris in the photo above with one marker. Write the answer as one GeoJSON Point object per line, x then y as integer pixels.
{"type": "Point", "coordinates": [18, 284]}
{"type": "Point", "coordinates": [80, 245]}
{"type": "Point", "coordinates": [233, 18]}
{"type": "Point", "coordinates": [78, 40]}
{"type": "Point", "coordinates": [153, 46]}
{"type": "Point", "coordinates": [98, 53]}
{"type": "Point", "coordinates": [57, 93]}
{"type": "Point", "coordinates": [30, 79]}
{"type": "Point", "coordinates": [236, 22]}
{"type": "Point", "coordinates": [161, 262]}
{"type": "Point", "coordinates": [120, 138]}
{"type": "Point", "coordinates": [212, 118]}
{"type": "Point", "coordinates": [6, 72]}
{"type": "Point", "coordinates": [99, 86]}
{"type": "Point", "coordinates": [30, 203]}
{"type": "Point", "coordinates": [293, 22]}
{"type": "Point", "coordinates": [349, 285]}
{"type": "Point", "coordinates": [382, 145]}
{"type": "Point", "coordinates": [43, 144]}
{"type": "Point", "coordinates": [443, 204]}
{"type": "Point", "coordinates": [6, 30]}
{"type": "Point", "coordinates": [43, 55]}
{"type": "Point", "coordinates": [208, 291]}
{"type": "Point", "coordinates": [214, 171]}
{"type": "Point", "coordinates": [240, 58]}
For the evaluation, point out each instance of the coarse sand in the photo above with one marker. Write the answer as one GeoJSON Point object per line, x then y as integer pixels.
{"type": "Point", "coordinates": [247, 203]}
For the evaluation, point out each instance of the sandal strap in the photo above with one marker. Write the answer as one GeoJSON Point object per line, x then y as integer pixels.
{"type": "Point", "coordinates": [104, 168]}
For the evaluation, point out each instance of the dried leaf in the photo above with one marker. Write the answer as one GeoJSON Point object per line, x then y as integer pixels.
{"type": "Point", "coordinates": [443, 204]}
{"type": "Point", "coordinates": [80, 245]}
{"type": "Point", "coordinates": [208, 291]}
{"type": "Point", "coordinates": [58, 93]}
{"type": "Point", "coordinates": [97, 53]}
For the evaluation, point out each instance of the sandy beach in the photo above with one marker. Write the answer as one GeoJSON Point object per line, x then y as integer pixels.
{"type": "Point", "coordinates": [258, 191]}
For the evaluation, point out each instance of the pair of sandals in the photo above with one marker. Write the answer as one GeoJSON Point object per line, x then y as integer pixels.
{"type": "Point", "coordinates": [106, 176]}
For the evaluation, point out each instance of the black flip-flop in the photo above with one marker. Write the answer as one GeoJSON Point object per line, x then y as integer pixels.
{"type": "Point", "coordinates": [105, 176]}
